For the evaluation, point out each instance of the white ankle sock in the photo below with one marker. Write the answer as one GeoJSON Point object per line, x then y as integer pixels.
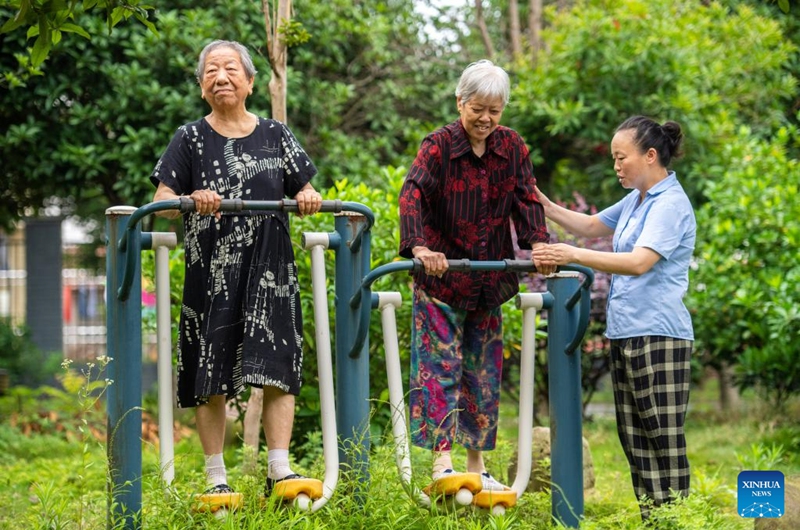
{"type": "Point", "coordinates": [278, 464]}
{"type": "Point", "coordinates": [215, 470]}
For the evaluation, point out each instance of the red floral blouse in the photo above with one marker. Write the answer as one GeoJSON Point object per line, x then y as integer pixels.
{"type": "Point", "coordinates": [457, 203]}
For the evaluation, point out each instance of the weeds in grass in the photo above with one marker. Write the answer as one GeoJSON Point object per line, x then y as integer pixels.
{"type": "Point", "coordinates": [713, 488]}
{"type": "Point", "coordinates": [66, 488]}
{"type": "Point", "coordinates": [761, 457]}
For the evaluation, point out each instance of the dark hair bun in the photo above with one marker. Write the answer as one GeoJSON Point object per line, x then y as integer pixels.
{"type": "Point", "coordinates": [674, 135]}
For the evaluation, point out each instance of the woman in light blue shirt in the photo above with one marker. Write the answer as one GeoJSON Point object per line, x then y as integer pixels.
{"type": "Point", "coordinates": [648, 324]}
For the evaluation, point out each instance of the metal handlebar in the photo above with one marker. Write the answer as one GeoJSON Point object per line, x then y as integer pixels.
{"type": "Point", "coordinates": [186, 205]}
{"type": "Point", "coordinates": [364, 297]}
{"type": "Point", "coordinates": [584, 295]}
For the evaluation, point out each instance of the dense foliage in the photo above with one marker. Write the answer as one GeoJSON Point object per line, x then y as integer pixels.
{"type": "Point", "coordinates": [92, 127]}
{"type": "Point", "coordinates": [745, 301]}
{"type": "Point", "coordinates": [373, 79]}
{"type": "Point", "coordinates": [705, 66]}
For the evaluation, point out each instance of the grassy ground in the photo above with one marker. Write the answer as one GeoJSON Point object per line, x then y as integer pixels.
{"type": "Point", "coordinates": [47, 482]}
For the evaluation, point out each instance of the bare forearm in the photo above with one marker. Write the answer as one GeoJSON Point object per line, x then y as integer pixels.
{"type": "Point", "coordinates": [163, 193]}
{"type": "Point", "coordinates": [577, 223]}
{"type": "Point", "coordinates": [633, 263]}
{"type": "Point", "coordinates": [626, 263]}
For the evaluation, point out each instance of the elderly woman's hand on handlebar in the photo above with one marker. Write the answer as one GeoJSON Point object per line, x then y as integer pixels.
{"type": "Point", "coordinates": [206, 202]}
{"type": "Point", "coordinates": [435, 263]}
{"type": "Point", "coordinates": [309, 201]}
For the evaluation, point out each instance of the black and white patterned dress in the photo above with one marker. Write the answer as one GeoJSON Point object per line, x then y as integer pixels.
{"type": "Point", "coordinates": [241, 322]}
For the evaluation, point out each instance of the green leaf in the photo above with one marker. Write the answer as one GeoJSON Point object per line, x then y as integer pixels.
{"type": "Point", "coordinates": [149, 25]}
{"type": "Point", "coordinates": [40, 49]}
{"type": "Point", "coordinates": [69, 27]}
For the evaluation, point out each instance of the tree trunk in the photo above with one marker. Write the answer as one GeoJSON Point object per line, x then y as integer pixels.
{"type": "Point", "coordinates": [535, 29]}
{"type": "Point", "coordinates": [276, 49]}
{"type": "Point", "coordinates": [514, 29]}
{"type": "Point", "coordinates": [487, 40]}
{"type": "Point", "coordinates": [252, 431]}
{"type": "Point", "coordinates": [728, 395]}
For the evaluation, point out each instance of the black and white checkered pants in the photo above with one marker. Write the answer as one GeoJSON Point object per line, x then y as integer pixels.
{"type": "Point", "coordinates": [651, 392]}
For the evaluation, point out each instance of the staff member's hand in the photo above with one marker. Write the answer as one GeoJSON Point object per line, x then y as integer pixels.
{"type": "Point", "coordinates": [552, 255]}
{"type": "Point", "coordinates": [542, 267]}
{"type": "Point", "coordinates": [435, 263]}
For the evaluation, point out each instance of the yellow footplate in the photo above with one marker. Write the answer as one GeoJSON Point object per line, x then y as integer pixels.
{"type": "Point", "coordinates": [453, 483]}
{"type": "Point", "coordinates": [213, 502]}
{"type": "Point", "coordinates": [488, 499]}
{"type": "Point", "coordinates": [289, 489]}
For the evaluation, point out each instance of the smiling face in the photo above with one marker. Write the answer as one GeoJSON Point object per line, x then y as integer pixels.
{"type": "Point", "coordinates": [224, 83]}
{"type": "Point", "coordinates": [630, 163]}
{"type": "Point", "coordinates": [480, 116]}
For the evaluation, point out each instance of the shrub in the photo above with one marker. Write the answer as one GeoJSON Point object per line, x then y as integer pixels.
{"type": "Point", "coordinates": [26, 364]}
{"type": "Point", "coordinates": [743, 298]}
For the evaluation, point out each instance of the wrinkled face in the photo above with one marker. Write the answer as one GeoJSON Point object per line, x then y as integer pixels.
{"type": "Point", "coordinates": [224, 83]}
{"type": "Point", "coordinates": [629, 162]}
{"type": "Point", "coordinates": [480, 116]}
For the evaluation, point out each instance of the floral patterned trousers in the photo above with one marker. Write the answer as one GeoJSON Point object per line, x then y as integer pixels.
{"type": "Point", "coordinates": [456, 365]}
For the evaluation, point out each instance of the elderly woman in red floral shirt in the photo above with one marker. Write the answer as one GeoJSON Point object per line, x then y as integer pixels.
{"type": "Point", "coordinates": [469, 180]}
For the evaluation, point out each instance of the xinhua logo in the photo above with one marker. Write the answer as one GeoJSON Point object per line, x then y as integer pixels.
{"type": "Point", "coordinates": [761, 494]}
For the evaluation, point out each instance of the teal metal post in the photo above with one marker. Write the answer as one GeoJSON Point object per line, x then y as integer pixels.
{"type": "Point", "coordinates": [566, 405]}
{"type": "Point", "coordinates": [124, 398]}
{"type": "Point", "coordinates": [352, 367]}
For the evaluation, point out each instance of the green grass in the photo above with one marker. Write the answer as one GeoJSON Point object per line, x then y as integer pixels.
{"type": "Point", "coordinates": [47, 482]}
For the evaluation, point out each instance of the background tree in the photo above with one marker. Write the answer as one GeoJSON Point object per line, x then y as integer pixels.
{"type": "Point", "coordinates": [744, 299]}
{"type": "Point", "coordinates": [606, 62]}
{"type": "Point", "coordinates": [361, 95]}
{"type": "Point", "coordinates": [709, 68]}
{"type": "Point", "coordinates": [375, 77]}
{"type": "Point", "coordinates": [282, 32]}
{"type": "Point", "coordinates": [49, 20]}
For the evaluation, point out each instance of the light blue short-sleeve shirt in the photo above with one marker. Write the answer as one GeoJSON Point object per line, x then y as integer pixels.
{"type": "Point", "coordinates": [652, 303]}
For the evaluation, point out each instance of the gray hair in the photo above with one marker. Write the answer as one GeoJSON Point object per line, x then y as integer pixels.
{"type": "Point", "coordinates": [483, 79]}
{"type": "Point", "coordinates": [244, 56]}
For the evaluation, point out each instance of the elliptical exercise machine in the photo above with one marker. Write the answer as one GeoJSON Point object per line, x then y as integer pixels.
{"type": "Point", "coordinates": [464, 488]}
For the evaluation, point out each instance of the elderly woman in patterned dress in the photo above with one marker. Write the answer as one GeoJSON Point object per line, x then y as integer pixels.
{"type": "Point", "coordinates": [469, 180]}
{"type": "Point", "coordinates": [240, 320]}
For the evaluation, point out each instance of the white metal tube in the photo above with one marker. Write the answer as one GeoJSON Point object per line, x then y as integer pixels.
{"type": "Point", "coordinates": [394, 374]}
{"type": "Point", "coordinates": [387, 302]}
{"type": "Point", "coordinates": [164, 347]}
{"type": "Point", "coordinates": [330, 449]}
{"type": "Point", "coordinates": [529, 303]}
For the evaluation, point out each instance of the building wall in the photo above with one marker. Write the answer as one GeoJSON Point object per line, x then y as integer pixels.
{"type": "Point", "coordinates": [43, 291]}
{"type": "Point", "coordinates": [12, 276]}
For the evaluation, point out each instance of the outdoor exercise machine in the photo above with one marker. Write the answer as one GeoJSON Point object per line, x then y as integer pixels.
{"type": "Point", "coordinates": [350, 241]}
{"type": "Point", "coordinates": [125, 242]}
{"type": "Point", "coordinates": [463, 493]}
{"type": "Point", "coordinates": [566, 330]}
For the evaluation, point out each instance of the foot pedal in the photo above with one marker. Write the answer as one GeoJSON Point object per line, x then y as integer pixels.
{"type": "Point", "coordinates": [495, 501]}
{"type": "Point", "coordinates": [289, 489]}
{"type": "Point", "coordinates": [450, 484]}
{"type": "Point", "coordinates": [461, 486]}
{"type": "Point", "coordinates": [214, 502]}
